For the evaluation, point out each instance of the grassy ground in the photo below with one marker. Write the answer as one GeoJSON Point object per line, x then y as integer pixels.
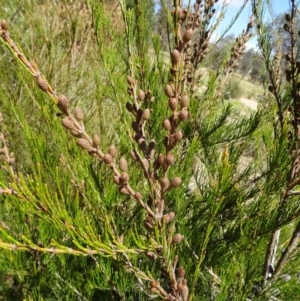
{"type": "Point", "coordinates": [240, 107]}
{"type": "Point", "coordinates": [249, 90]}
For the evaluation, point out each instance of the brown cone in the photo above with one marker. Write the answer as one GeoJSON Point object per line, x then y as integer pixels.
{"type": "Point", "coordinates": [176, 238]}
{"type": "Point", "coordinates": [112, 151]}
{"type": "Point", "coordinates": [42, 83]}
{"type": "Point", "coordinates": [123, 164]}
{"type": "Point", "coordinates": [4, 25]}
{"type": "Point", "coordinates": [169, 91]}
{"type": "Point", "coordinates": [175, 182]}
{"type": "Point", "coordinates": [85, 144]}
{"type": "Point", "coordinates": [78, 113]}
{"type": "Point", "coordinates": [68, 124]}
{"type": "Point", "coordinates": [63, 103]}
{"type": "Point", "coordinates": [96, 140]}
{"type": "Point", "coordinates": [187, 36]}
{"type": "Point", "coordinates": [107, 158]}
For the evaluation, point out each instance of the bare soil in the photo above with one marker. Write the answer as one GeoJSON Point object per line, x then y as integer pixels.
{"type": "Point", "coordinates": [252, 104]}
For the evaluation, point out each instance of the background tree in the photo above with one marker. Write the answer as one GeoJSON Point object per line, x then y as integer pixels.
{"type": "Point", "coordinates": [280, 40]}
{"type": "Point", "coordinates": [220, 51]}
{"type": "Point", "coordinates": [247, 62]}
{"type": "Point", "coordinates": [256, 68]}
{"type": "Point", "coordinates": [162, 24]}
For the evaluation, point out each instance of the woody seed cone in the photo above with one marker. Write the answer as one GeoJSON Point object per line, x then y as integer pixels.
{"type": "Point", "coordinates": [175, 57]}
{"type": "Point", "coordinates": [187, 36]}
{"type": "Point", "coordinates": [183, 114]}
{"type": "Point", "coordinates": [184, 101]}
{"type": "Point", "coordinates": [4, 25]}
{"type": "Point", "coordinates": [185, 292]}
{"type": "Point", "coordinates": [42, 84]}
{"type": "Point", "coordinates": [63, 103]}
{"type": "Point", "coordinates": [112, 151]}
{"type": "Point", "coordinates": [85, 144]}
{"type": "Point", "coordinates": [123, 164]}
{"type": "Point", "coordinates": [175, 182]}
{"type": "Point", "coordinates": [169, 217]}
{"type": "Point", "coordinates": [177, 238]}
{"type": "Point", "coordinates": [173, 102]}
{"type": "Point", "coordinates": [96, 140]}
{"type": "Point", "coordinates": [68, 124]}
{"type": "Point", "coordinates": [107, 158]}
{"type": "Point", "coordinates": [78, 113]}
{"type": "Point", "coordinates": [141, 95]}
{"type": "Point", "coordinates": [169, 91]}
{"type": "Point", "coordinates": [164, 182]}
{"type": "Point", "coordinates": [166, 124]}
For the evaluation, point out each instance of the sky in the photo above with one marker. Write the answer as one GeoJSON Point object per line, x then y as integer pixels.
{"type": "Point", "coordinates": [278, 6]}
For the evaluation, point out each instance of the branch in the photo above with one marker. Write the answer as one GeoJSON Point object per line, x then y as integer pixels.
{"type": "Point", "coordinates": [270, 255]}
{"type": "Point", "coordinates": [289, 250]}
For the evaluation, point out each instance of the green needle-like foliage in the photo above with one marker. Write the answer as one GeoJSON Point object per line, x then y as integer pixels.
{"type": "Point", "coordinates": [123, 177]}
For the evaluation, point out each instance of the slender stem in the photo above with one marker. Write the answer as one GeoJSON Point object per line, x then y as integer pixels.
{"type": "Point", "coordinates": [270, 255]}
{"type": "Point", "coordinates": [289, 250]}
